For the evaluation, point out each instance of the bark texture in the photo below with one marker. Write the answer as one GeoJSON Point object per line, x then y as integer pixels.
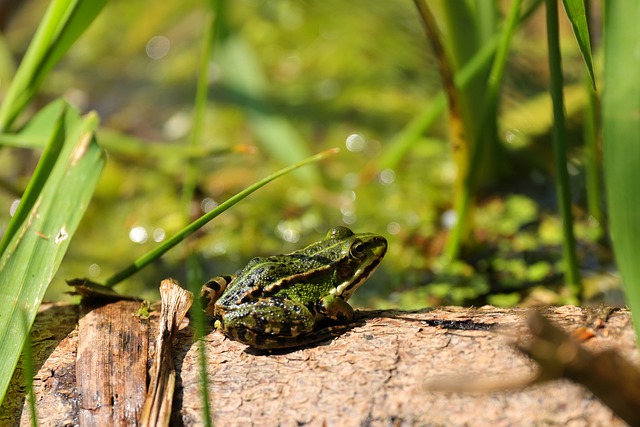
{"type": "Point", "coordinates": [111, 364]}
{"type": "Point", "coordinates": [392, 368]}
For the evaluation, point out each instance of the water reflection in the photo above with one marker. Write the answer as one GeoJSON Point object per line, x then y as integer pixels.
{"type": "Point", "coordinates": [138, 234]}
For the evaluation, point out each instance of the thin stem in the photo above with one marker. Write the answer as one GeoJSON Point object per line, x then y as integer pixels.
{"type": "Point", "coordinates": [151, 256]}
{"type": "Point", "coordinates": [402, 143]}
{"type": "Point", "coordinates": [563, 188]}
{"type": "Point", "coordinates": [200, 103]}
{"type": "Point", "coordinates": [194, 269]}
{"type": "Point", "coordinates": [490, 107]}
{"type": "Point", "coordinates": [194, 272]}
{"type": "Point", "coordinates": [593, 154]}
{"type": "Point", "coordinates": [28, 369]}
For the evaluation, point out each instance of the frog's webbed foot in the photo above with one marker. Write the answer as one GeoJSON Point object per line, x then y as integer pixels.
{"type": "Point", "coordinates": [211, 292]}
{"type": "Point", "coordinates": [335, 308]}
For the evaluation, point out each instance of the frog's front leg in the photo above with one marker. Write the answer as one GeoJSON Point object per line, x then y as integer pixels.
{"type": "Point", "coordinates": [335, 308]}
{"type": "Point", "coordinates": [268, 322]}
{"type": "Point", "coordinates": [211, 292]}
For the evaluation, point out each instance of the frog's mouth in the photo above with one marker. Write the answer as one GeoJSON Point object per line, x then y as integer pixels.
{"type": "Point", "coordinates": [347, 288]}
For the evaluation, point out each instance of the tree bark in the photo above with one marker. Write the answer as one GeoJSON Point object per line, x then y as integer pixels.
{"type": "Point", "coordinates": [392, 368]}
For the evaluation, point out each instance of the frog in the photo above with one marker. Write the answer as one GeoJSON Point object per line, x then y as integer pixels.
{"type": "Point", "coordinates": [294, 299]}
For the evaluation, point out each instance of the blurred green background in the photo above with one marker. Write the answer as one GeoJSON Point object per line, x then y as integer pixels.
{"type": "Point", "coordinates": [289, 79]}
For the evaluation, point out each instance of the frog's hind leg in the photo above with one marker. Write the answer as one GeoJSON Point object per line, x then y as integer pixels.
{"type": "Point", "coordinates": [212, 290]}
{"type": "Point", "coordinates": [268, 322]}
{"type": "Point", "coordinates": [277, 323]}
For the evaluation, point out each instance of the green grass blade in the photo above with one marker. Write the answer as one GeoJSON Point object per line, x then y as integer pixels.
{"type": "Point", "coordinates": [200, 104]}
{"type": "Point", "coordinates": [63, 23]}
{"type": "Point", "coordinates": [151, 256]}
{"type": "Point", "coordinates": [577, 15]}
{"type": "Point", "coordinates": [592, 162]}
{"type": "Point", "coordinates": [194, 269]}
{"type": "Point", "coordinates": [244, 73]}
{"type": "Point", "coordinates": [563, 190]}
{"type": "Point", "coordinates": [57, 198]}
{"type": "Point", "coordinates": [621, 141]}
{"type": "Point", "coordinates": [197, 316]}
{"type": "Point", "coordinates": [400, 145]}
{"type": "Point", "coordinates": [36, 134]}
{"type": "Point", "coordinates": [486, 13]}
{"type": "Point", "coordinates": [40, 176]}
{"type": "Point", "coordinates": [489, 108]}
{"type": "Point", "coordinates": [28, 370]}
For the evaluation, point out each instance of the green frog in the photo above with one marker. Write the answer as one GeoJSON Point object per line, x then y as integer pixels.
{"type": "Point", "coordinates": [280, 301]}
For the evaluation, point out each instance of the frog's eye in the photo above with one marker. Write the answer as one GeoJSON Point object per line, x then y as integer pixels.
{"type": "Point", "coordinates": [358, 249]}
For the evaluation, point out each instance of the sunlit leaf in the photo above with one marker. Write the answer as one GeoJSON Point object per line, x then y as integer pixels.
{"type": "Point", "coordinates": [39, 232]}
{"type": "Point", "coordinates": [63, 23]}
{"type": "Point", "coordinates": [578, 17]}
{"type": "Point", "coordinates": [621, 141]}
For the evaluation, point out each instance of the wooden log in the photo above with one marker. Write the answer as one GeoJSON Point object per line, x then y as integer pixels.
{"type": "Point", "coordinates": [54, 339]}
{"type": "Point", "coordinates": [111, 365]}
{"type": "Point", "coordinates": [380, 372]}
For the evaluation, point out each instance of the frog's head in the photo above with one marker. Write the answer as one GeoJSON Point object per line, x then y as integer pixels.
{"type": "Point", "coordinates": [355, 257]}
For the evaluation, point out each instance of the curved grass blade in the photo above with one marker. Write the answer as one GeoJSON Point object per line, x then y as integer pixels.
{"type": "Point", "coordinates": [151, 256]}
{"type": "Point", "coordinates": [576, 12]}
{"type": "Point", "coordinates": [63, 23]}
{"type": "Point", "coordinates": [36, 134]}
{"type": "Point", "coordinates": [39, 232]}
{"type": "Point", "coordinates": [246, 77]}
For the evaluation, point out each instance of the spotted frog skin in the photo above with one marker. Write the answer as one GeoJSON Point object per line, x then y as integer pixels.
{"type": "Point", "coordinates": [280, 301]}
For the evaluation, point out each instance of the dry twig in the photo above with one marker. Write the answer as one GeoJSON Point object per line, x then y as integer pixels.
{"type": "Point", "coordinates": [175, 304]}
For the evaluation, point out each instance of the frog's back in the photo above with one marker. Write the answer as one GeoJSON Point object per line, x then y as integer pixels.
{"type": "Point", "coordinates": [262, 273]}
